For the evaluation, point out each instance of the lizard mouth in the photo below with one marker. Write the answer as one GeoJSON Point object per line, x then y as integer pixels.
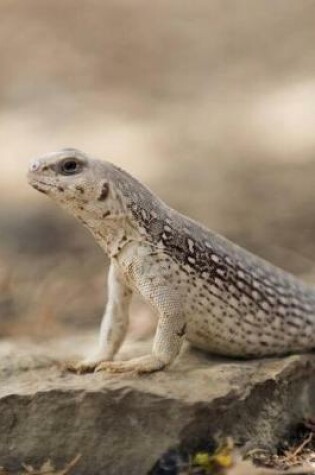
{"type": "Point", "coordinates": [41, 186]}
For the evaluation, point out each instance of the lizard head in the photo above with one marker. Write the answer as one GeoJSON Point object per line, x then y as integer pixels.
{"type": "Point", "coordinates": [105, 198]}
{"type": "Point", "coordinates": [78, 183]}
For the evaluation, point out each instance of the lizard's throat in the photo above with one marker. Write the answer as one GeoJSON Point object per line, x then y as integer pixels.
{"type": "Point", "coordinates": [109, 232]}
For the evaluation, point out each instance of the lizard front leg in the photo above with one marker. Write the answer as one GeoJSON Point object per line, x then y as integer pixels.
{"type": "Point", "coordinates": [152, 276]}
{"type": "Point", "coordinates": [114, 323]}
{"type": "Point", "coordinates": [166, 346]}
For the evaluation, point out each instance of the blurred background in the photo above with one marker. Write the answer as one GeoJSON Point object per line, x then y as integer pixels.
{"type": "Point", "coordinates": [209, 102]}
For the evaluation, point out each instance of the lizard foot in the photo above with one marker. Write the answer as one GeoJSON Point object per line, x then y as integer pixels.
{"type": "Point", "coordinates": [142, 365]}
{"type": "Point", "coordinates": [85, 366]}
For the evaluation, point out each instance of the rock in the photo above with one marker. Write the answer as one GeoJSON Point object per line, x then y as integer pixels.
{"type": "Point", "coordinates": [120, 424]}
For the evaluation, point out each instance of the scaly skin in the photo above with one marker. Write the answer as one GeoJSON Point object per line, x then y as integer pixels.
{"type": "Point", "coordinates": [204, 288]}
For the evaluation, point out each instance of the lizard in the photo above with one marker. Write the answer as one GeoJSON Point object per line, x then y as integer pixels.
{"type": "Point", "coordinates": [205, 289]}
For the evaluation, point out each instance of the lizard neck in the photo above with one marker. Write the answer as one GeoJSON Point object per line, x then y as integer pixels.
{"type": "Point", "coordinates": [111, 232]}
{"type": "Point", "coordinates": [112, 239]}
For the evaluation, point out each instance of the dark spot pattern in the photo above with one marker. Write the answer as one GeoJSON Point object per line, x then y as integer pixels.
{"type": "Point", "coordinates": [104, 192]}
{"type": "Point", "coordinates": [182, 330]}
{"type": "Point", "coordinates": [80, 189]}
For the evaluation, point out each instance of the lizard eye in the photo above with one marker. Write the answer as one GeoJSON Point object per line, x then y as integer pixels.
{"type": "Point", "coordinates": [70, 166]}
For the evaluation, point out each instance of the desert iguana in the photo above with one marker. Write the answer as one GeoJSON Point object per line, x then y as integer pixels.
{"type": "Point", "coordinates": [204, 288]}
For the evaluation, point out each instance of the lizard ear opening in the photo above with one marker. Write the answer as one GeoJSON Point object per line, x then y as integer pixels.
{"type": "Point", "coordinates": [104, 191]}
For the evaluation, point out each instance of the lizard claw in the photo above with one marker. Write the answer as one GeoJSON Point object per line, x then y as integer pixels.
{"type": "Point", "coordinates": [80, 367]}
{"type": "Point", "coordinates": [84, 366]}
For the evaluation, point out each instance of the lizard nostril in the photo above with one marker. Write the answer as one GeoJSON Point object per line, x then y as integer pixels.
{"type": "Point", "coordinates": [35, 166]}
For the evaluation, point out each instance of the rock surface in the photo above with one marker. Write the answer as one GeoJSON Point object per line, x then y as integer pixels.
{"type": "Point", "coordinates": [118, 424]}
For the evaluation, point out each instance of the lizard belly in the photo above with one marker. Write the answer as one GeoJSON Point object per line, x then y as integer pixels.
{"type": "Point", "coordinates": [210, 329]}
{"type": "Point", "coordinates": [220, 323]}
